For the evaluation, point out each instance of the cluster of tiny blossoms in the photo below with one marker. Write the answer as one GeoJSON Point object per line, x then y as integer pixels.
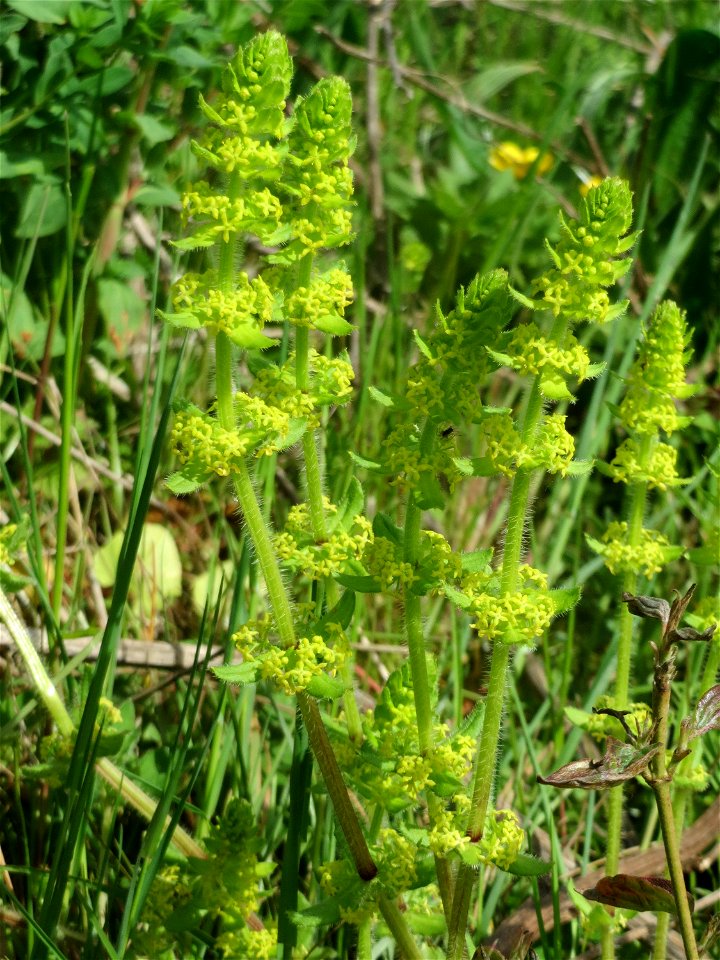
{"type": "Point", "coordinates": [442, 387]}
{"type": "Point", "coordinates": [648, 555]}
{"type": "Point", "coordinates": [518, 617]}
{"type": "Point", "coordinates": [656, 380]}
{"type": "Point", "coordinates": [552, 448]}
{"type": "Point", "coordinates": [437, 563]}
{"type": "Point", "coordinates": [584, 259]}
{"type": "Point", "coordinates": [292, 669]}
{"type": "Point", "coordinates": [297, 549]}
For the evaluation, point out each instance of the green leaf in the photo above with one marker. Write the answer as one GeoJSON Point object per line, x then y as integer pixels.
{"type": "Point", "coordinates": [44, 210]}
{"type": "Point", "coordinates": [325, 688]}
{"type": "Point", "coordinates": [21, 167]}
{"type": "Point", "coordinates": [382, 398]}
{"type": "Point", "coordinates": [578, 468]}
{"type": "Point", "coordinates": [359, 584]}
{"type": "Point", "coordinates": [422, 346]}
{"type": "Point", "coordinates": [383, 526]}
{"type": "Point", "coordinates": [240, 673]}
{"type": "Point", "coordinates": [554, 388]}
{"type": "Point", "coordinates": [150, 195]}
{"type": "Point", "coordinates": [464, 465]}
{"type": "Point", "coordinates": [707, 713]}
{"type": "Point", "coordinates": [565, 600]}
{"type": "Point", "coordinates": [476, 561]}
{"type": "Point", "coordinates": [362, 462]}
{"type": "Point", "coordinates": [502, 359]}
{"type": "Point", "coordinates": [430, 495]}
{"type": "Point", "coordinates": [525, 301]}
{"type": "Point", "coordinates": [157, 575]}
{"type": "Point", "coordinates": [351, 506]}
{"type": "Point", "coordinates": [42, 11]}
{"type": "Point", "coordinates": [333, 324]}
{"type": "Point", "coordinates": [457, 597]}
{"type": "Point", "coordinates": [153, 129]}
{"type": "Point", "coordinates": [250, 338]}
{"type": "Point", "coordinates": [525, 865]}
{"type": "Point", "coordinates": [595, 369]}
{"type": "Point", "coordinates": [184, 481]}
{"type": "Point", "coordinates": [123, 310]}
{"type": "Point", "coordinates": [341, 613]}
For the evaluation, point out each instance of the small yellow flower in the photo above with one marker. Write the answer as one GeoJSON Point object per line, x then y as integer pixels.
{"type": "Point", "coordinates": [509, 156]}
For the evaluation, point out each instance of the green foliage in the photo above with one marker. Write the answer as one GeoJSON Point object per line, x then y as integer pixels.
{"type": "Point", "coordinates": [389, 463]}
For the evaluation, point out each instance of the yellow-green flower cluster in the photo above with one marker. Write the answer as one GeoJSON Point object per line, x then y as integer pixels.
{"type": "Point", "coordinates": [518, 617]}
{"type": "Point", "coordinates": [657, 377]}
{"type": "Point", "coordinates": [395, 858]}
{"type": "Point", "coordinates": [317, 177]}
{"type": "Point", "coordinates": [531, 352]}
{"type": "Point", "coordinates": [294, 668]}
{"type": "Point", "coordinates": [240, 312]}
{"type": "Point", "coordinates": [695, 777]}
{"type": "Point", "coordinates": [652, 552]}
{"type": "Point", "coordinates": [552, 448]}
{"type": "Point", "coordinates": [240, 143]}
{"type": "Point", "coordinates": [584, 261]}
{"type": "Point", "coordinates": [656, 469]}
{"type": "Point", "coordinates": [383, 560]}
{"type": "Point", "coordinates": [408, 462]}
{"type": "Point", "coordinates": [502, 838]}
{"type": "Point", "coordinates": [244, 942]}
{"type": "Point", "coordinates": [330, 383]}
{"type": "Point", "coordinates": [217, 217]}
{"type": "Point", "coordinates": [436, 555]}
{"type": "Point", "coordinates": [296, 548]}
{"type": "Point", "coordinates": [322, 304]}
{"type": "Point", "coordinates": [203, 445]}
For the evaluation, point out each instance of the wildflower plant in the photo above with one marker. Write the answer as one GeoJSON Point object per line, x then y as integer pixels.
{"type": "Point", "coordinates": [427, 789]}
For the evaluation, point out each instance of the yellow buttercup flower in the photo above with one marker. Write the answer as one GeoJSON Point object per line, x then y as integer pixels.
{"type": "Point", "coordinates": [509, 156]}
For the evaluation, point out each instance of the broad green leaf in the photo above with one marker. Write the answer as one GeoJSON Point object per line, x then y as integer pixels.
{"type": "Point", "coordinates": [123, 310]}
{"type": "Point", "coordinates": [240, 673]}
{"type": "Point", "coordinates": [44, 210]}
{"type": "Point", "coordinates": [422, 346]}
{"type": "Point", "coordinates": [565, 600]}
{"type": "Point", "coordinates": [359, 584]}
{"type": "Point", "coordinates": [578, 468]}
{"type": "Point", "coordinates": [525, 865]}
{"type": "Point", "coordinates": [42, 11]}
{"type": "Point", "coordinates": [182, 482]}
{"type": "Point", "coordinates": [457, 597]}
{"type": "Point", "coordinates": [206, 586]}
{"type": "Point", "coordinates": [476, 561]}
{"type": "Point", "coordinates": [333, 324]}
{"type": "Point", "coordinates": [383, 526]}
{"type": "Point", "coordinates": [325, 688]}
{"type": "Point", "coordinates": [153, 129]}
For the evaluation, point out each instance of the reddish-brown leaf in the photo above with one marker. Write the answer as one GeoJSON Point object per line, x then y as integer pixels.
{"type": "Point", "coordinates": [636, 893]}
{"type": "Point", "coordinates": [621, 762]}
{"type": "Point", "coordinates": [707, 713]}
